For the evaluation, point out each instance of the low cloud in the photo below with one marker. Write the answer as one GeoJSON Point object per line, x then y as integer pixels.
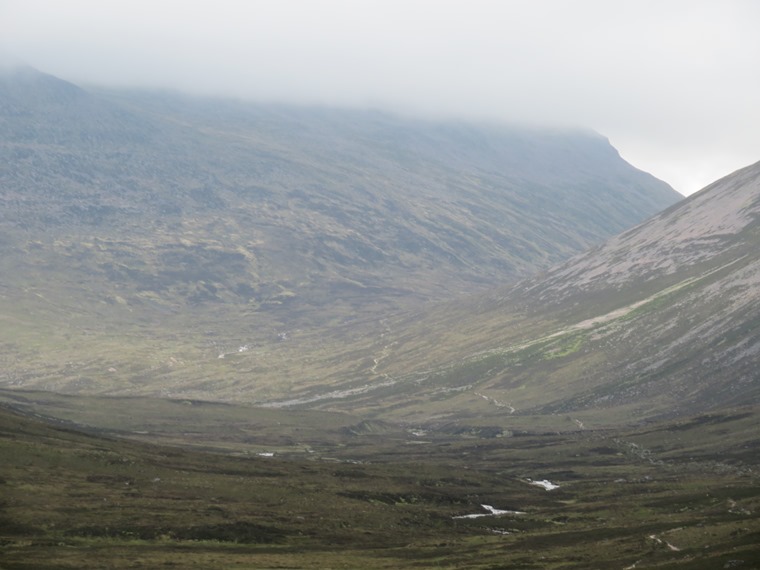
{"type": "Point", "coordinates": [672, 84]}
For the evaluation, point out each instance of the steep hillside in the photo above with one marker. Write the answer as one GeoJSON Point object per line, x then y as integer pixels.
{"type": "Point", "coordinates": [145, 233]}
{"type": "Point", "coordinates": [661, 320]}
{"type": "Point", "coordinates": [177, 201]}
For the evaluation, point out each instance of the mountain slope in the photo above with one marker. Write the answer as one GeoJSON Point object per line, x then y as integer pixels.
{"type": "Point", "coordinates": [140, 231]}
{"type": "Point", "coordinates": [661, 320]}
{"type": "Point", "coordinates": [311, 201]}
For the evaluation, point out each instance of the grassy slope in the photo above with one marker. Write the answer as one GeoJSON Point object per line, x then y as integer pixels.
{"type": "Point", "coordinates": [73, 500]}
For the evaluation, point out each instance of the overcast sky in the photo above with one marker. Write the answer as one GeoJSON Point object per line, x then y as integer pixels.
{"type": "Point", "coordinates": [674, 84]}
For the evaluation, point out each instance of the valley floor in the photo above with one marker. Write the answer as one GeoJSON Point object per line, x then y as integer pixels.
{"type": "Point", "coordinates": [661, 497]}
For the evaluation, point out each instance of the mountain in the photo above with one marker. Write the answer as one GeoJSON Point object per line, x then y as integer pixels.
{"type": "Point", "coordinates": [602, 413]}
{"type": "Point", "coordinates": [660, 321]}
{"type": "Point", "coordinates": [150, 232]}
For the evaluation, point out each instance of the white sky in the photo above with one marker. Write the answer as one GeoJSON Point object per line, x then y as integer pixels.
{"type": "Point", "coordinates": [674, 84]}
